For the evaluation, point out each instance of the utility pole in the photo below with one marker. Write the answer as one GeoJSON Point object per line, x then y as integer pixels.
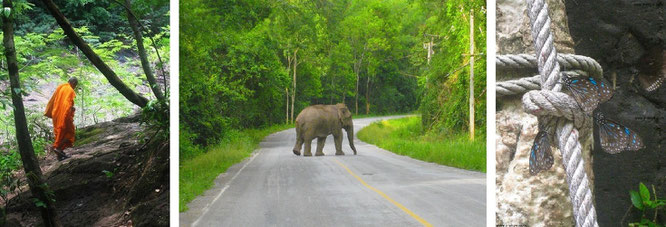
{"type": "Point", "coordinates": [428, 46]}
{"type": "Point", "coordinates": [471, 75]}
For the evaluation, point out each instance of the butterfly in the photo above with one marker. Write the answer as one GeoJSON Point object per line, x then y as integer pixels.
{"type": "Point", "coordinates": [652, 69]}
{"type": "Point", "coordinates": [588, 91]}
{"type": "Point", "coordinates": [541, 156]}
{"type": "Point", "coordinates": [615, 138]}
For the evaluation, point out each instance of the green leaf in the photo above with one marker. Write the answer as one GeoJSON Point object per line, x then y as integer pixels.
{"type": "Point", "coordinates": [652, 224]}
{"type": "Point", "coordinates": [6, 11]}
{"type": "Point", "coordinates": [38, 202]}
{"type": "Point", "coordinates": [109, 174]}
{"type": "Point", "coordinates": [660, 203]}
{"type": "Point", "coordinates": [636, 200]}
{"type": "Point", "coordinates": [645, 193]}
{"type": "Point", "coordinates": [17, 91]}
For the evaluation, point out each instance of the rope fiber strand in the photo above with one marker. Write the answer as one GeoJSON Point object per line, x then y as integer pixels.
{"type": "Point", "coordinates": [542, 97]}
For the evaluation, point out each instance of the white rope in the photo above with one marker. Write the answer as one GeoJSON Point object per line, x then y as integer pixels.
{"type": "Point", "coordinates": [566, 61]}
{"type": "Point", "coordinates": [522, 85]}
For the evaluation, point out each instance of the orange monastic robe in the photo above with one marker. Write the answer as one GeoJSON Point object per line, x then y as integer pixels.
{"type": "Point", "coordinates": [60, 110]}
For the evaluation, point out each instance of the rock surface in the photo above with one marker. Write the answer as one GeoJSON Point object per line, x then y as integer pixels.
{"type": "Point", "coordinates": [522, 199]}
{"type": "Point", "coordinates": [618, 34]}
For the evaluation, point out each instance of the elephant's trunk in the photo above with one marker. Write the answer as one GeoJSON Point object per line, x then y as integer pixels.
{"type": "Point", "coordinates": [350, 137]}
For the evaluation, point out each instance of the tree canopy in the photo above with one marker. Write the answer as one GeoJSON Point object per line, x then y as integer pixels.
{"type": "Point", "coordinates": [260, 62]}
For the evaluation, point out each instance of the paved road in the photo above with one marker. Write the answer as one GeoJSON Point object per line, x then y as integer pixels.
{"type": "Point", "coordinates": [374, 188]}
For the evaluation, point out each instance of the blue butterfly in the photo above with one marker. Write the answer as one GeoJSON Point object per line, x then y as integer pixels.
{"type": "Point", "coordinates": [541, 156]}
{"type": "Point", "coordinates": [615, 138]}
{"type": "Point", "coordinates": [588, 91]}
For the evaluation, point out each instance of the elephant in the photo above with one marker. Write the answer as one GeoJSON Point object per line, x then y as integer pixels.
{"type": "Point", "coordinates": [319, 121]}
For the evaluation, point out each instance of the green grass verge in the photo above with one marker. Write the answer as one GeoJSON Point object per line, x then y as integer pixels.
{"type": "Point", "coordinates": [197, 174]}
{"type": "Point", "coordinates": [358, 116]}
{"type": "Point", "coordinates": [404, 136]}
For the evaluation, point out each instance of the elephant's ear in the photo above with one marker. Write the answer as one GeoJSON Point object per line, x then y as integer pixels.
{"type": "Point", "coordinates": [343, 113]}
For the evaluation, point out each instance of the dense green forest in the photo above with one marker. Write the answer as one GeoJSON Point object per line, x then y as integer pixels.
{"type": "Point", "coordinates": [46, 58]}
{"type": "Point", "coordinates": [260, 62]}
{"type": "Point", "coordinates": [118, 50]}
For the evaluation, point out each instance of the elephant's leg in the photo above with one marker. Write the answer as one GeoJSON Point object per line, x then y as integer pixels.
{"type": "Point", "coordinates": [338, 143]}
{"type": "Point", "coordinates": [308, 144]}
{"type": "Point", "coordinates": [320, 146]}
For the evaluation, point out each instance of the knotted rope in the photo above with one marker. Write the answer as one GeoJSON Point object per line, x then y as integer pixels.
{"type": "Point", "coordinates": [543, 98]}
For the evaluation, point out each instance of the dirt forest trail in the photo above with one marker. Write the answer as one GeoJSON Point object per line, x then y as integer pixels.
{"type": "Point", "coordinates": [112, 179]}
{"type": "Point", "coordinates": [374, 188]}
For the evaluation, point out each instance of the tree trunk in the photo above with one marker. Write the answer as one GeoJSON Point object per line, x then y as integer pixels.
{"type": "Point", "coordinates": [33, 173]}
{"type": "Point", "coordinates": [356, 95]}
{"type": "Point", "coordinates": [471, 76]}
{"type": "Point", "coordinates": [134, 24]}
{"type": "Point", "coordinates": [93, 57]}
{"type": "Point", "coordinates": [357, 70]}
{"type": "Point", "coordinates": [332, 88]}
{"type": "Point", "coordinates": [367, 96]}
{"type": "Point", "coordinates": [286, 115]}
{"type": "Point", "coordinates": [289, 60]}
{"type": "Point", "coordinates": [293, 91]}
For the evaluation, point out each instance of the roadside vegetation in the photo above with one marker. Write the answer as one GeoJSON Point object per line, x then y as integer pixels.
{"type": "Point", "coordinates": [405, 136]}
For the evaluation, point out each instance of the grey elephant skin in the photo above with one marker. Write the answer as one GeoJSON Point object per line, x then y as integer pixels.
{"type": "Point", "coordinates": [319, 121]}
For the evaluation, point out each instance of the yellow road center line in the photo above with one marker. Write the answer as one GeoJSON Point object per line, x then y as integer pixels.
{"type": "Point", "coordinates": [403, 208]}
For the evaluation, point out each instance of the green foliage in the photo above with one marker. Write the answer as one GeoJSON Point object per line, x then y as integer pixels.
{"type": "Point", "coordinates": [234, 82]}
{"type": "Point", "coordinates": [187, 149]}
{"type": "Point", "coordinates": [38, 203]}
{"type": "Point", "coordinates": [108, 174]}
{"type": "Point", "coordinates": [405, 136]}
{"type": "Point", "coordinates": [50, 195]}
{"type": "Point", "coordinates": [156, 115]}
{"type": "Point", "coordinates": [642, 201]}
{"type": "Point", "coordinates": [47, 60]}
{"type": "Point", "coordinates": [6, 11]}
{"type": "Point", "coordinates": [105, 18]}
{"type": "Point", "coordinates": [445, 104]}
{"type": "Point", "coordinates": [9, 161]}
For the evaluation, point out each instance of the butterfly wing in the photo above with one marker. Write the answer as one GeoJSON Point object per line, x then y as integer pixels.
{"type": "Point", "coordinates": [541, 156]}
{"type": "Point", "coordinates": [615, 138]}
{"type": "Point", "coordinates": [584, 92]}
{"type": "Point", "coordinates": [603, 88]}
{"type": "Point", "coordinates": [635, 143]}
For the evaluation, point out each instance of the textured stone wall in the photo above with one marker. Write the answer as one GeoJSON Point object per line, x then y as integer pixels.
{"type": "Point", "coordinates": [541, 200]}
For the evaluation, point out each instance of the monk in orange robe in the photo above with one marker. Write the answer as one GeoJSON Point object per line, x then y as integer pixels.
{"type": "Point", "coordinates": [61, 110]}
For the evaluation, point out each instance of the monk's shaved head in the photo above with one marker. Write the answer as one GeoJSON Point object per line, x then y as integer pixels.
{"type": "Point", "coordinates": [73, 81]}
